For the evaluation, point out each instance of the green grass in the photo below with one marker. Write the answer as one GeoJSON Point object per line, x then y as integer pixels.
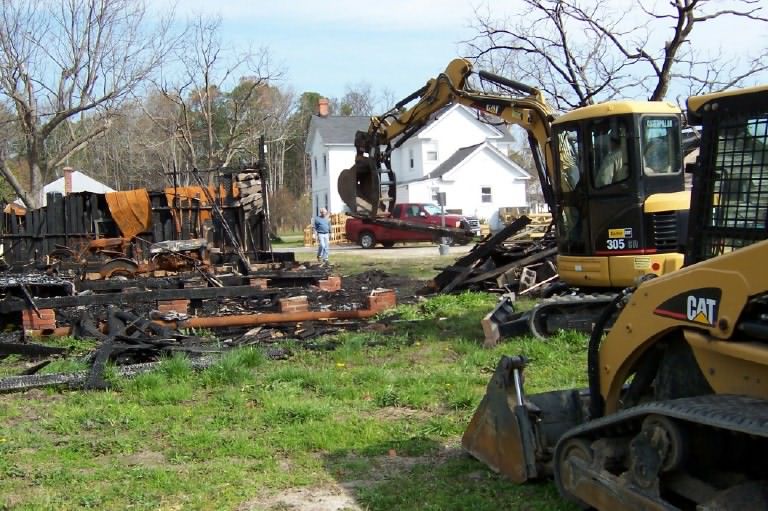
{"type": "Point", "coordinates": [383, 411]}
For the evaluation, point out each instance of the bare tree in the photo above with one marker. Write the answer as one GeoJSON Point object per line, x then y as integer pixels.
{"type": "Point", "coordinates": [357, 100]}
{"type": "Point", "coordinates": [71, 59]}
{"type": "Point", "coordinates": [211, 125]}
{"type": "Point", "coordinates": [582, 52]}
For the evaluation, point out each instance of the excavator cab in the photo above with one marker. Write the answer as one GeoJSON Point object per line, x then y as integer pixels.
{"type": "Point", "coordinates": [622, 209]}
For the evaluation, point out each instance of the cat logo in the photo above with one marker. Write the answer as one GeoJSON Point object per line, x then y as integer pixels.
{"type": "Point", "coordinates": [701, 310]}
{"type": "Point", "coordinates": [492, 109]}
{"type": "Point", "coordinates": [700, 306]}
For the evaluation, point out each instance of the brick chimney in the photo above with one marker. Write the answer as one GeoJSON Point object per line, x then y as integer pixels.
{"type": "Point", "coordinates": [322, 107]}
{"type": "Point", "coordinates": [68, 180]}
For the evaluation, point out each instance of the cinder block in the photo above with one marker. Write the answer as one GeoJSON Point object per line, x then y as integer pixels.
{"type": "Point", "coordinates": [331, 284]}
{"type": "Point", "coordinates": [294, 304]}
{"type": "Point", "coordinates": [382, 299]}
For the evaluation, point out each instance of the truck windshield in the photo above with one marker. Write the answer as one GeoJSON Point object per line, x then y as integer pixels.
{"type": "Point", "coordinates": [431, 209]}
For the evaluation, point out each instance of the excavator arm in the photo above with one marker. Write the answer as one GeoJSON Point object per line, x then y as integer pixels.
{"type": "Point", "coordinates": [368, 187]}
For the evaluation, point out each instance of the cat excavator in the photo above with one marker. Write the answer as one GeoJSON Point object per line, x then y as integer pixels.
{"type": "Point", "coordinates": [675, 416]}
{"type": "Point", "coordinates": [610, 173]}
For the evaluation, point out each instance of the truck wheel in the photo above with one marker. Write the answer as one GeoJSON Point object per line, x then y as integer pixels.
{"type": "Point", "coordinates": [388, 244]}
{"type": "Point", "coordinates": [367, 239]}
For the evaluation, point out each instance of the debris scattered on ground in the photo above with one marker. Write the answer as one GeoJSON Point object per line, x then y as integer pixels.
{"type": "Point", "coordinates": [518, 258]}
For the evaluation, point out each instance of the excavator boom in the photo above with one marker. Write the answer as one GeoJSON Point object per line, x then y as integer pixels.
{"type": "Point", "coordinates": [368, 187]}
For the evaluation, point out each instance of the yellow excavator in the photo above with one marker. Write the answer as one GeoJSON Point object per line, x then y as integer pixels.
{"type": "Point", "coordinates": [610, 173]}
{"type": "Point", "coordinates": [676, 413]}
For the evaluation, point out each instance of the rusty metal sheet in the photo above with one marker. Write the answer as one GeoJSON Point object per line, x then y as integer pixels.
{"type": "Point", "coordinates": [131, 211]}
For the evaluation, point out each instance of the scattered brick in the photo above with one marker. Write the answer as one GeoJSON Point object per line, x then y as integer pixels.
{"type": "Point", "coordinates": [331, 284]}
{"type": "Point", "coordinates": [180, 305]}
{"type": "Point", "coordinates": [293, 304]}
{"type": "Point", "coordinates": [382, 299]}
{"type": "Point", "coordinates": [45, 321]}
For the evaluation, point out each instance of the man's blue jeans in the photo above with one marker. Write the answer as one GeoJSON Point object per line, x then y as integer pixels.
{"type": "Point", "coordinates": [322, 246]}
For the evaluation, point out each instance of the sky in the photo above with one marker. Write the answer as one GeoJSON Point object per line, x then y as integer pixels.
{"type": "Point", "coordinates": [395, 45]}
{"type": "Point", "coordinates": [326, 47]}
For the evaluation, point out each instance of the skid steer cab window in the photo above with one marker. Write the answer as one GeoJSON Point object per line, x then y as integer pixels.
{"type": "Point", "coordinates": [741, 174]}
{"type": "Point", "coordinates": [568, 150]}
{"type": "Point", "coordinates": [610, 160]}
{"type": "Point", "coordinates": [661, 145]}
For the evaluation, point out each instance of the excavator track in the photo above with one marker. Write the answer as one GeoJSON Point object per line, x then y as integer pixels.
{"type": "Point", "coordinates": [702, 453]}
{"type": "Point", "coordinates": [567, 312]}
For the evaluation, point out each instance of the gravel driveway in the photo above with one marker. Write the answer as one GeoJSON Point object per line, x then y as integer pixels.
{"type": "Point", "coordinates": [412, 250]}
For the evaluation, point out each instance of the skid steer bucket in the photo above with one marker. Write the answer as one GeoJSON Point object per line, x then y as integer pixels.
{"type": "Point", "coordinates": [516, 435]}
{"type": "Point", "coordinates": [500, 433]}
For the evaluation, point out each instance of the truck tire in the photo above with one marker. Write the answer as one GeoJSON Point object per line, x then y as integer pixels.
{"type": "Point", "coordinates": [387, 244]}
{"type": "Point", "coordinates": [367, 239]}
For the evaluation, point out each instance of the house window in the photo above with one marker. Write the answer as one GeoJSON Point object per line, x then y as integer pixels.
{"type": "Point", "coordinates": [326, 201]}
{"type": "Point", "coordinates": [431, 155]}
{"type": "Point", "coordinates": [485, 194]}
{"type": "Point", "coordinates": [325, 164]}
{"type": "Point", "coordinates": [317, 204]}
{"type": "Point", "coordinates": [314, 166]}
{"type": "Point", "coordinates": [410, 158]}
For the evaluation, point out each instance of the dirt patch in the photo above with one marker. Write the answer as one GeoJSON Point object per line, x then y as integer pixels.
{"type": "Point", "coordinates": [341, 496]}
{"type": "Point", "coordinates": [395, 413]}
{"type": "Point", "coordinates": [406, 288]}
{"type": "Point", "coordinates": [325, 498]}
{"type": "Point", "coordinates": [144, 458]}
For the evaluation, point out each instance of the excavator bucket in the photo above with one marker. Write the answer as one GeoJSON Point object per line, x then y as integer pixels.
{"type": "Point", "coordinates": [500, 433]}
{"type": "Point", "coordinates": [367, 190]}
{"type": "Point", "coordinates": [368, 187]}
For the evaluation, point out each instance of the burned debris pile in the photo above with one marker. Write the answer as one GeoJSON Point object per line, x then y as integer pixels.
{"type": "Point", "coordinates": [146, 274]}
{"type": "Point", "coordinates": [520, 258]}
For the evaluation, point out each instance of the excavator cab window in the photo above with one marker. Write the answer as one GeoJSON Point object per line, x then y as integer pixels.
{"type": "Point", "coordinates": [609, 155]}
{"type": "Point", "coordinates": [660, 145]}
{"type": "Point", "coordinates": [568, 149]}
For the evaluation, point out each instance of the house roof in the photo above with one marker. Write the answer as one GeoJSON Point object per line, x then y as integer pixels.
{"type": "Point", "coordinates": [80, 183]}
{"type": "Point", "coordinates": [337, 129]}
{"type": "Point", "coordinates": [465, 153]}
{"type": "Point", "coordinates": [451, 163]}
{"type": "Point", "coordinates": [499, 133]}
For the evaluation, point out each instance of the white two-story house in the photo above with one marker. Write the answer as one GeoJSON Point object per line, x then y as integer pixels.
{"type": "Point", "coordinates": [456, 154]}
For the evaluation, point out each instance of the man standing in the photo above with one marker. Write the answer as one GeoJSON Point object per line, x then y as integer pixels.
{"type": "Point", "coordinates": [322, 227]}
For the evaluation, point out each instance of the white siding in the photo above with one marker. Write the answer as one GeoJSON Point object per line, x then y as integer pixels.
{"type": "Point", "coordinates": [463, 185]}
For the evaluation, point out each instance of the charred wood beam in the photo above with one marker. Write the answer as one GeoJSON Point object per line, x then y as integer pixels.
{"type": "Point", "coordinates": [130, 297]}
{"type": "Point", "coordinates": [29, 349]}
{"type": "Point", "coordinates": [525, 261]}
